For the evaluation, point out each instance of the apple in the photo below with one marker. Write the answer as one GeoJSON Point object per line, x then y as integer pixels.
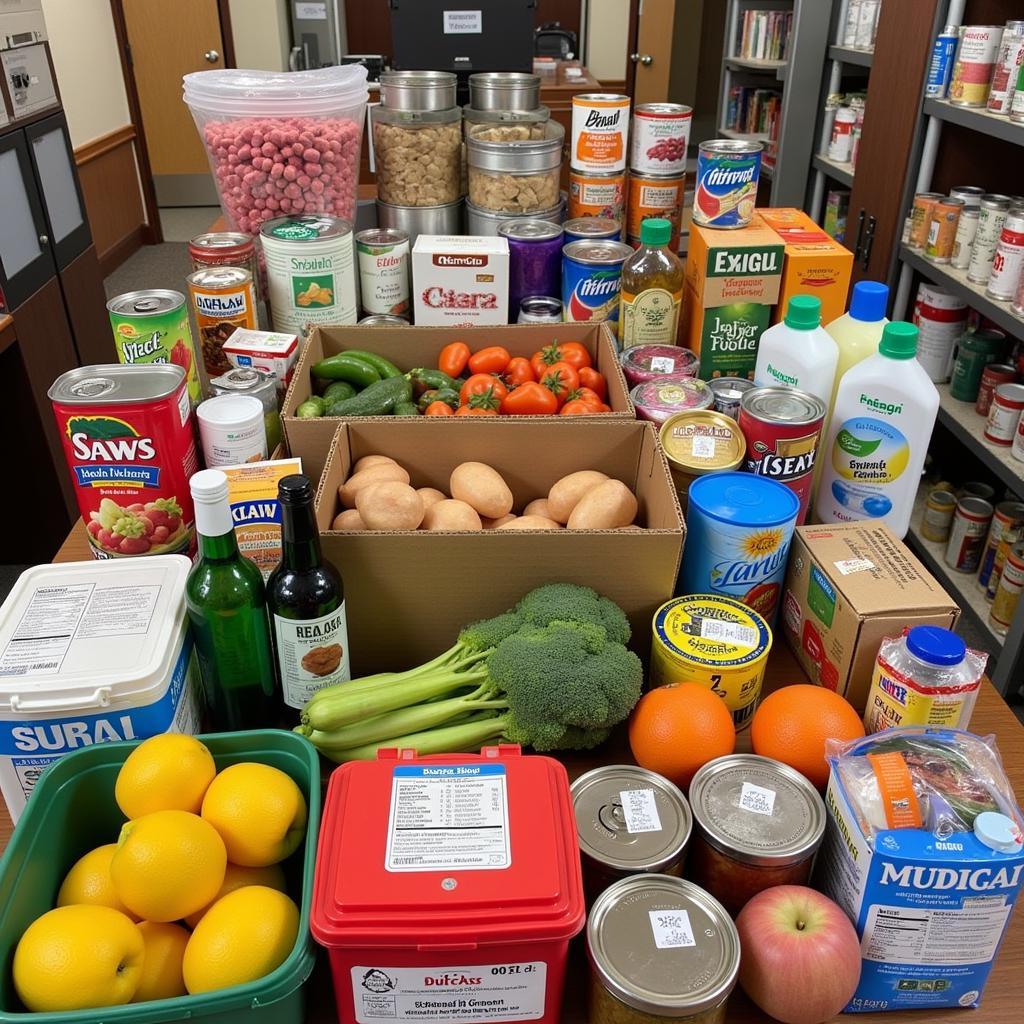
{"type": "Point", "coordinates": [800, 955]}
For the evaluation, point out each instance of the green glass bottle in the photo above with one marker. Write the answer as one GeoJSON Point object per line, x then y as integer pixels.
{"type": "Point", "coordinates": [226, 603]}
{"type": "Point", "coordinates": [306, 600]}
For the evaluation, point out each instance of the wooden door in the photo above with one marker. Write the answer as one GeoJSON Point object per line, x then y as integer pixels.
{"type": "Point", "coordinates": [652, 59]}
{"type": "Point", "coordinates": [167, 41]}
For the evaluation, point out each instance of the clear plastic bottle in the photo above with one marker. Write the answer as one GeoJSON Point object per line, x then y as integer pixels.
{"type": "Point", "coordinates": [652, 289]}
{"type": "Point", "coordinates": [858, 332]}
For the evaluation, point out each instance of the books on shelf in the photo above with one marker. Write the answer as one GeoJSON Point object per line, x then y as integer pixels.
{"type": "Point", "coordinates": [764, 35]}
{"type": "Point", "coordinates": [755, 112]}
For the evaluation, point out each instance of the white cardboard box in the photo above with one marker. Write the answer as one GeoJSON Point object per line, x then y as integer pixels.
{"type": "Point", "coordinates": [460, 280]}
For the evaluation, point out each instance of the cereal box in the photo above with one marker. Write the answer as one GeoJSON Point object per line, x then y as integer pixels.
{"type": "Point", "coordinates": [460, 280]}
{"type": "Point", "coordinates": [270, 351]}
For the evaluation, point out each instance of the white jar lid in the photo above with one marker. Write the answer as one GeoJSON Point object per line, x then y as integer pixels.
{"type": "Point", "coordinates": [998, 832]}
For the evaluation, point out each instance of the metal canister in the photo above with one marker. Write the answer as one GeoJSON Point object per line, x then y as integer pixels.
{"type": "Point", "coordinates": [650, 196]}
{"type": "Point", "coordinates": [600, 126]}
{"type": "Point", "coordinates": [1008, 516]}
{"type": "Point", "coordinates": [991, 217]}
{"type": "Point", "coordinates": [940, 318]}
{"type": "Point", "coordinates": [920, 218]}
{"type": "Point", "coordinates": [1004, 414]}
{"type": "Point", "coordinates": [1008, 261]}
{"type": "Point", "coordinates": [940, 63]}
{"type": "Point", "coordinates": [601, 195]}
{"type": "Point", "coordinates": [1017, 102]}
{"type": "Point", "coordinates": [991, 377]}
{"type": "Point", "coordinates": [975, 351]}
{"type": "Point", "coordinates": [1018, 299]}
{"type": "Point", "coordinates": [534, 259]}
{"type": "Point", "coordinates": [975, 61]}
{"type": "Point", "coordinates": [383, 258]}
{"type": "Point", "coordinates": [728, 392]}
{"type": "Point", "coordinates": [1008, 64]}
{"type": "Point", "coordinates": [243, 380]}
{"type": "Point", "coordinates": [938, 515]}
{"type": "Point", "coordinates": [971, 195]}
{"type": "Point", "coordinates": [659, 139]}
{"type": "Point", "coordinates": [592, 279]}
{"type": "Point", "coordinates": [226, 249]}
{"type": "Point", "coordinates": [223, 300]}
{"type": "Point", "coordinates": [589, 228]}
{"type": "Point", "coordinates": [1010, 536]}
{"type": "Point", "coordinates": [383, 320]}
{"type": "Point", "coordinates": [725, 190]}
{"type": "Point", "coordinates": [540, 309]}
{"type": "Point", "coordinates": [966, 229]}
{"type": "Point", "coordinates": [942, 225]}
{"type": "Point", "coordinates": [1017, 448]}
{"type": "Point", "coordinates": [697, 442]}
{"type": "Point", "coordinates": [1007, 597]}
{"type": "Point", "coordinates": [967, 534]}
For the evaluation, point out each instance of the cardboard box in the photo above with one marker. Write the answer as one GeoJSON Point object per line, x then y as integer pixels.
{"type": "Point", "coordinates": [732, 283]}
{"type": "Point", "coordinates": [409, 347]}
{"type": "Point", "coordinates": [408, 594]}
{"type": "Point", "coordinates": [815, 263]}
{"type": "Point", "coordinates": [847, 587]}
{"type": "Point", "coordinates": [460, 280]}
{"type": "Point", "coordinates": [273, 352]}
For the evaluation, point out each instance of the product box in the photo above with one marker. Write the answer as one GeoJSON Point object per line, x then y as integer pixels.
{"type": "Point", "coordinates": [409, 347]}
{"type": "Point", "coordinates": [460, 280]}
{"type": "Point", "coordinates": [408, 594]}
{"type": "Point", "coordinates": [732, 283]}
{"type": "Point", "coordinates": [848, 586]}
{"type": "Point", "coordinates": [837, 206]}
{"type": "Point", "coordinates": [815, 264]}
{"type": "Point", "coordinates": [271, 351]}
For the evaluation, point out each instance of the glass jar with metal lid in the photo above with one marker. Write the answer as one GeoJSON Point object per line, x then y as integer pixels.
{"type": "Point", "coordinates": [517, 176]}
{"type": "Point", "coordinates": [244, 380]}
{"type": "Point", "coordinates": [630, 821]}
{"type": "Point", "coordinates": [660, 947]}
{"type": "Point", "coordinates": [418, 156]}
{"type": "Point", "coordinates": [504, 90]}
{"type": "Point", "coordinates": [757, 823]}
{"type": "Point", "coordinates": [418, 90]}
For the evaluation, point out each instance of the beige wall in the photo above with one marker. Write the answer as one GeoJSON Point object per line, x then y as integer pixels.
{"type": "Point", "coordinates": [607, 35]}
{"type": "Point", "coordinates": [260, 29]}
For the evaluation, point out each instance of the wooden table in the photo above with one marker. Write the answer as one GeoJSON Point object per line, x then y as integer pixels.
{"type": "Point", "coordinates": [1004, 995]}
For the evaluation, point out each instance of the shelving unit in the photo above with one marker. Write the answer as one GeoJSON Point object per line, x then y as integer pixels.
{"type": "Point", "coordinates": [996, 125]}
{"type": "Point", "coordinates": [848, 55]}
{"type": "Point", "coordinates": [843, 173]}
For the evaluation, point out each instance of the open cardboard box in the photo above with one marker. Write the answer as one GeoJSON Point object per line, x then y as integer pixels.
{"type": "Point", "coordinates": [410, 347]}
{"type": "Point", "coordinates": [408, 594]}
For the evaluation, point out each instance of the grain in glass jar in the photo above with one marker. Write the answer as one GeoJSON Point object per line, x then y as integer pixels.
{"type": "Point", "coordinates": [660, 948]}
{"type": "Point", "coordinates": [419, 156]}
{"type": "Point", "coordinates": [516, 176]}
{"type": "Point", "coordinates": [757, 823]}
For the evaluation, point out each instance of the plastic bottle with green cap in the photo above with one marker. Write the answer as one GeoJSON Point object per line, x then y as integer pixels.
{"type": "Point", "coordinates": [798, 353]}
{"type": "Point", "coordinates": [877, 441]}
{"type": "Point", "coordinates": [652, 288]}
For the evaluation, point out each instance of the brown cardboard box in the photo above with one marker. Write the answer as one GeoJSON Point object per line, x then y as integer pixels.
{"type": "Point", "coordinates": [408, 594]}
{"type": "Point", "coordinates": [409, 347]}
{"type": "Point", "coordinates": [847, 587]}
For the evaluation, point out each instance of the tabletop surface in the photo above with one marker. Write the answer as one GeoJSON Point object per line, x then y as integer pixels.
{"type": "Point", "coordinates": [1004, 993]}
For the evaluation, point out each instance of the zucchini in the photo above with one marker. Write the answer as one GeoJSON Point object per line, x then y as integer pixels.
{"type": "Point", "coordinates": [338, 390]}
{"type": "Point", "coordinates": [312, 408]}
{"type": "Point", "coordinates": [406, 409]}
{"type": "Point", "coordinates": [383, 366]}
{"type": "Point", "coordinates": [378, 399]}
{"type": "Point", "coordinates": [345, 366]}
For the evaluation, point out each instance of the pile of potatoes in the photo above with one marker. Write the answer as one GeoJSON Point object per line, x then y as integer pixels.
{"type": "Point", "coordinates": [378, 496]}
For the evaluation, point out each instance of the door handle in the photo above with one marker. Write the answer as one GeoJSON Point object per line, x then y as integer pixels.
{"type": "Point", "coordinates": [642, 58]}
{"type": "Point", "coordinates": [44, 240]}
{"type": "Point", "coordinates": [869, 241]}
{"type": "Point", "coordinates": [860, 234]}
{"type": "Point", "coordinates": [212, 56]}
{"type": "Point", "coordinates": [293, 58]}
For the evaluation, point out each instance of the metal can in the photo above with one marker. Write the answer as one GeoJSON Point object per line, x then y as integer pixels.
{"type": "Point", "coordinates": [942, 225]}
{"type": "Point", "coordinates": [728, 392]}
{"type": "Point", "coordinates": [1017, 102]}
{"type": "Point", "coordinates": [152, 326]}
{"type": "Point", "coordinates": [782, 427]}
{"type": "Point", "coordinates": [226, 249]}
{"type": "Point", "coordinates": [602, 196]}
{"type": "Point", "coordinates": [1007, 68]}
{"type": "Point", "coordinates": [659, 139]}
{"type": "Point", "coordinates": [991, 217]}
{"type": "Point", "coordinates": [1018, 299]}
{"type": "Point", "coordinates": [661, 399]}
{"type": "Point", "coordinates": [976, 54]}
{"type": "Point", "coordinates": [940, 63]}
{"type": "Point", "coordinates": [592, 279]}
{"type": "Point", "coordinates": [920, 218]}
{"type": "Point", "coordinates": [725, 191]}
{"type": "Point", "coordinates": [534, 259]}
{"type": "Point", "coordinates": [1007, 597]}
{"type": "Point", "coordinates": [1008, 516]}
{"type": "Point", "coordinates": [716, 642]}
{"type": "Point", "coordinates": [966, 229]}
{"type": "Point", "coordinates": [540, 309]}
{"type": "Point", "coordinates": [867, 24]}
{"type": "Point", "coordinates": [383, 320]}
{"type": "Point", "coordinates": [223, 300]}
{"type": "Point", "coordinates": [311, 272]}
{"type": "Point", "coordinates": [649, 196]}
{"type": "Point", "coordinates": [700, 441]}
{"type": "Point", "coordinates": [643, 363]}
{"type": "Point", "coordinates": [977, 489]}
{"type": "Point", "coordinates": [1004, 414]}
{"type": "Point", "coordinates": [967, 534]}
{"type": "Point", "coordinates": [975, 351]}
{"type": "Point", "coordinates": [991, 377]}
{"type": "Point", "coordinates": [971, 195]}
{"type": "Point", "coordinates": [600, 123]}
{"type": "Point", "coordinates": [383, 257]}
{"type": "Point", "coordinates": [938, 515]}
{"type": "Point", "coordinates": [1017, 448]}
{"type": "Point", "coordinates": [244, 380]}
{"type": "Point", "coordinates": [1008, 261]}
{"type": "Point", "coordinates": [128, 440]}
{"type": "Point", "coordinates": [1010, 536]}
{"type": "Point", "coordinates": [232, 430]}
{"type": "Point", "coordinates": [591, 228]}
{"type": "Point", "coordinates": [940, 318]}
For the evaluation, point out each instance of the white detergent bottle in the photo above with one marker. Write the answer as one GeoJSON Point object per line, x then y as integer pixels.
{"type": "Point", "coordinates": [858, 332]}
{"type": "Point", "coordinates": [878, 438]}
{"type": "Point", "coordinates": [799, 352]}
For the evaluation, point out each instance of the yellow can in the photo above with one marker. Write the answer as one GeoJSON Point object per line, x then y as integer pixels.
{"type": "Point", "coordinates": [716, 642]}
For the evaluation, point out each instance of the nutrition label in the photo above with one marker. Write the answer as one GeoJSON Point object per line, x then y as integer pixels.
{"type": "Point", "coordinates": [917, 936]}
{"type": "Point", "coordinates": [447, 817]}
{"type": "Point", "coordinates": [640, 811]}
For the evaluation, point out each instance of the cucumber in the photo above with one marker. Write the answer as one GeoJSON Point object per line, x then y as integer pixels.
{"type": "Point", "coordinates": [406, 409]}
{"type": "Point", "coordinates": [312, 408]}
{"type": "Point", "coordinates": [446, 395]}
{"type": "Point", "coordinates": [338, 390]}
{"type": "Point", "coordinates": [379, 399]}
{"type": "Point", "coordinates": [345, 366]}
{"type": "Point", "coordinates": [383, 366]}
{"type": "Point", "coordinates": [424, 379]}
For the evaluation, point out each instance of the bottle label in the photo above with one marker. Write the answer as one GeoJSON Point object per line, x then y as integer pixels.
{"type": "Point", "coordinates": [868, 455]}
{"type": "Point", "coordinates": [650, 317]}
{"type": "Point", "coordinates": [312, 654]}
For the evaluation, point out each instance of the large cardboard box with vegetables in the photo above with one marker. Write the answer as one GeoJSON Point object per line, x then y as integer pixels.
{"type": "Point", "coordinates": [408, 593]}
{"type": "Point", "coordinates": [409, 348]}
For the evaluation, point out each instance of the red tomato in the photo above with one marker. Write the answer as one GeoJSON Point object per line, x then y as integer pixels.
{"type": "Point", "coordinates": [438, 409]}
{"type": "Point", "coordinates": [475, 410]}
{"type": "Point", "coordinates": [530, 399]}
{"type": "Point", "coordinates": [577, 407]}
{"type": "Point", "coordinates": [571, 352]}
{"type": "Point", "coordinates": [587, 395]}
{"type": "Point", "coordinates": [489, 360]}
{"type": "Point", "coordinates": [560, 379]}
{"type": "Point", "coordinates": [518, 372]}
{"type": "Point", "coordinates": [590, 378]}
{"type": "Point", "coordinates": [483, 385]}
{"type": "Point", "coordinates": [453, 358]}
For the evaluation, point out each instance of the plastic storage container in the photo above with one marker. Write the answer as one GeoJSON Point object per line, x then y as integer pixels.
{"type": "Point", "coordinates": [518, 176]}
{"type": "Point", "coordinates": [281, 143]}
{"type": "Point", "coordinates": [418, 156]}
{"type": "Point", "coordinates": [73, 811]}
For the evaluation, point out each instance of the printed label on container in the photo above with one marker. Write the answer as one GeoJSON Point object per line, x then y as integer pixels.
{"type": "Point", "coordinates": [384, 277]}
{"type": "Point", "coordinates": [255, 510]}
{"type": "Point", "coordinates": [448, 817]}
{"type": "Point", "coordinates": [312, 654]}
{"type": "Point", "coordinates": [944, 938]}
{"type": "Point", "coordinates": [650, 317]}
{"type": "Point", "coordinates": [757, 799]}
{"type": "Point", "coordinates": [868, 455]}
{"type": "Point", "coordinates": [479, 994]}
{"type": "Point", "coordinates": [640, 811]}
{"type": "Point", "coordinates": [671, 928]}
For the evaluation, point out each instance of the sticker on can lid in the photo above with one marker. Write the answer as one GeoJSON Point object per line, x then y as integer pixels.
{"type": "Point", "coordinates": [640, 811]}
{"type": "Point", "coordinates": [758, 799]}
{"type": "Point", "coordinates": [671, 928]}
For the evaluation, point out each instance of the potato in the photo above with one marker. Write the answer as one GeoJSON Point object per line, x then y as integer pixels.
{"type": "Point", "coordinates": [431, 495]}
{"type": "Point", "coordinates": [538, 507]}
{"type": "Point", "coordinates": [493, 524]}
{"type": "Point", "coordinates": [391, 505]}
{"type": "Point", "coordinates": [350, 519]}
{"type": "Point", "coordinates": [374, 475]}
{"type": "Point", "coordinates": [566, 493]}
{"type": "Point", "coordinates": [607, 506]}
{"type": "Point", "coordinates": [373, 460]}
{"type": "Point", "coordinates": [531, 523]}
{"type": "Point", "coordinates": [451, 515]}
{"type": "Point", "coordinates": [483, 488]}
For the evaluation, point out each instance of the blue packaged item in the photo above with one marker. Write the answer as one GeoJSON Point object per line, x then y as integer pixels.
{"type": "Point", "coordinates": [924, 850]}
{"type": "Point", "coordinates": [725, 190]}
{"type": "Point", "coordinates": [592, 279]}
{"type": "Point", "coordinates": [739, 528]}
{"type": "Point", "coordinates": [940, 63]}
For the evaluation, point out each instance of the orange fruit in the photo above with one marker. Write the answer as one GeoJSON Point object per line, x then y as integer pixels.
{"type": "Point", "coordinates": [792, 725]}
{"type": "Point", "coordinates": [678, 728]}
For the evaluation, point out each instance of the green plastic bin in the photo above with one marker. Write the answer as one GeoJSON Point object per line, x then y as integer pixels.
{"type": "Point", "coordinates": [72, 810]}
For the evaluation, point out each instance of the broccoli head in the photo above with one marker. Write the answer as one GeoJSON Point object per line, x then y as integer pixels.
{"type": "Point", "coordinates": [488, 633]}
{"type": "Point", "coordinates": [568, 602]}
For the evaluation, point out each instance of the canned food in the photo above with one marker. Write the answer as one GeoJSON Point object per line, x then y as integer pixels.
{"type": "Point", "coordinates": [977, 489]}
{"type": "Point", "coordinates": [244, 380]}
{"type": "Point", "coordinates": [966, 229]}
{"type": "Point", "coordinates": [534, 259]}
{"type": "Point", "coordinates": [1018, 299]}
{"type": "Point", "coordinates": [975, 61]}
{"type": "Point", "coordinates": [1017, 448]}
{"type": "Point", "coordinates": [991, 377]}
{"type": "Point", "coordinates": [967, 534]}
{"type": "Point", "coordinates": [716, 642]}
{"type": "Point", "coordinates": [383, 320]}
{"type": "Point", "coordinates": [601, 196]}
{"type": "Point", "coordinates": [1004, 414]}
{"type": "Point", "coordinates": [590, 228]}
{"type": "Point", "coordinates": [1007, 597]}
{"type": "Point", "coordinates": [757, 823]}
{"type": "Point", "coordinates": [600, 121]}
{"type": "Point", "coordinates": [226, 249]}
{"type": "Point", "coordinates": [383, 256]}
{"type": "Point", "coordinates": [725, 191]}
{"type": "Point", "coordinates": [1008, 517]}
{"type": "Point", "coordinates": [540, 309]}
{"type": "Point", "coordinates": [942, 225]}
{"type": "Point", "coordinates": [1010, 536]}
{"type": "Point", "coordinates": [971, 195]}
{"type": "Point", "coordinates": [1007, 68]}
{"type": "Point", "coordinates": [991, 217]}
{"type": "Point", "coordinates": [127, 437]}
{"type": "Point", "coordinates": [231, 430]}
{"type": "Point", "coordinates": [940, 62]}
{"type": "Point", "coordinates": [940, 318]}
{"type": "Point", "coordinates": [152, 326]}
{"type": "Point", "coordinates": [699, 442]}
{"type": "Point", "coordinates": [592, 279]}
{"type": "Point", "coordinates": [938, 516]}
{"type": "Point", "coordinates": [659, 399]}
{"type": "Point", "coordinates": [223, 301]}
{"type": "Point", "coordinates": [1008, 261]}
{"type": "Point", "coordinates": [1017, 102]}
{"type": "Point", "coordinates": [974, 352]}
{"type": "Point", "coordinates": [920, 218]}
{"type": "Point", "coordinates": [659, 139]}
{"type": "Point", "coordinates": [643, 363]}
{"type": "Point", "coordinates": [649, 196]}
{"type": "Point", "coordinates": [729, 392]}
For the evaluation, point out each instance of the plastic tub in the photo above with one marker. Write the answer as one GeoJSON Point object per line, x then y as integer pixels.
{"type": "Point", "coordinates": [72, 811]}
{"type": "Point", "coordinates": [281, 143]}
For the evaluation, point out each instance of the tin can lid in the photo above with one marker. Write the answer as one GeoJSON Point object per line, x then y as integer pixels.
{"type": "Point", "coordinates": [598, 251]}
{"type": "Point", "coordinates": [730, 387]}
{"type": "Point", "coordinates": [244, 378]}
{"type": "Point", "coordinates": [594, 227]}
{"type": "Point", "coordinates": [663, 946]}
{"type": "Point", "coordinates": [783, 405]}
{"type": "Point", "coordinates": [630, 819]}
{"type": "Point", "coordinates": [757, 810]}
{"type": "Point", "coordinates": [147, 302]}
{"type": "Point", "coordinates": [305, 228]}
{"type": "Point", "coordinates": [526, 230]}
{"type": "Point", "coordinates": [744, 498]}
{"type": "Point", "coordinates": [222, 240]}
{"type": "Point", "coordinates": [712, 630]}
{"type": "Point", "coordinates": [702, 440]}
{"type": "Point", "coordinates": [117, 382]}
{"type": "Point", "coordinates": [219, 277]}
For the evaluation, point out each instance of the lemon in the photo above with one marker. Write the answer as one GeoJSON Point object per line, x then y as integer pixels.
{"type": "Point", "coordinates": [242, 937]}
{"type": "Point", "coordinates": [170, 772]}
{"type": "Point", "coordinates": [89, 882]}
{"type": "Point", "coordinates": [78, 958]}
{"type": "Point", "coordinates": [161, 966]}
{"type": "Point", "coordinates": [168, 865]}
{"type": "Point", "coordinates": [236, 877]}
{"type": "Point", "coordinates": [259, 812]}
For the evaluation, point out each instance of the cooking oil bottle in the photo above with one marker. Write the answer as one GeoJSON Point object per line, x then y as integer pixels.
{"type": "Point", "coordinates": [652, 289]}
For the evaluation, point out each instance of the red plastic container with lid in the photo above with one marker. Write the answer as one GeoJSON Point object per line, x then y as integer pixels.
{"type": "Point", "coordinates": [448, 887]}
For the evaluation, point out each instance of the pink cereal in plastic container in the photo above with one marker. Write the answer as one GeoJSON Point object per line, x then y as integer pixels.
{"type": "Point", "coordinates": [281, 143]}
{"type": "Point", "coordinates": [658, 399]}
{"type": "Point", "coordinates": [643, 363]}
